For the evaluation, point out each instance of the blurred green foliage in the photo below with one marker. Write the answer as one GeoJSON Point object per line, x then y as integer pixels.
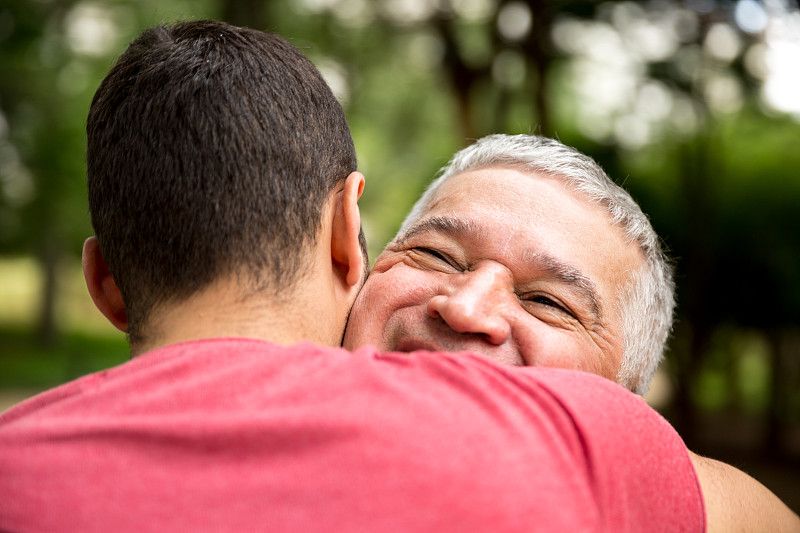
{"type": "Point", "coordinates": [31, 366]}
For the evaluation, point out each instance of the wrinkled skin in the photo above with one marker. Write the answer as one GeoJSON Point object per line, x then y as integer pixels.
{"type": "Point", "coordinates": [504, 263]}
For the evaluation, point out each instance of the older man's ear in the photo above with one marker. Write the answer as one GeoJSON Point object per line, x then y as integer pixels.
{"type": "Point", "coordinates": [102, 287]}
{"type": "Point", "coordinates": [346, 253]}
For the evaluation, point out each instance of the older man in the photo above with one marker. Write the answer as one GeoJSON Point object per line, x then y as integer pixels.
{"type": "Point", "coordinates": [524, 250]}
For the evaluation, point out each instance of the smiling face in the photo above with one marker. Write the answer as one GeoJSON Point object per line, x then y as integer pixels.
{"type": "Point", "coordinates": [504, 263]}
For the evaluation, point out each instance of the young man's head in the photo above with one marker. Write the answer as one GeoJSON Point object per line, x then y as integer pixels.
{"type": "Point", "coordinates": [214, 153]}
{"type": "Point", "coordinates": [524, 250]}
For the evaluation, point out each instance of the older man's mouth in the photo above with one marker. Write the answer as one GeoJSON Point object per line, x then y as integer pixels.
{"type": "Point", "coordinates": [412, 345]}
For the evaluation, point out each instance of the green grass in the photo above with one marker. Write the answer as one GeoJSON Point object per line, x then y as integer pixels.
{"type": "Point", "coordinates": [26, 363]}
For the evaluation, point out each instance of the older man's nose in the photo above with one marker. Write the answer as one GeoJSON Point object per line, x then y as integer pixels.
{"type": "Point", "coordinates": [472, 305]}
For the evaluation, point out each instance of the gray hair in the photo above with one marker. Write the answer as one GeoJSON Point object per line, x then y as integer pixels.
{"type": "Point", "coordinates": [647, 300]}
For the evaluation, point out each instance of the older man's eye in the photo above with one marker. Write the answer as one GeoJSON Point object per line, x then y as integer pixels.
{"type": "Point", "coordinates": [547, 301]}
{"type": "Point", "coordinates": [544, 300]}
{"type": "Point", "coordinates": [436, 256]}
{"type": "Point", "coordinates": [433, 253]}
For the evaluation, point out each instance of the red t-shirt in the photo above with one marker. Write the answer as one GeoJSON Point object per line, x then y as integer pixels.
{"type": "Point", "coordinates": [245, 435]}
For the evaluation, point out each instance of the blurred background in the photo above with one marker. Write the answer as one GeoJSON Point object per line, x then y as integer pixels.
{"type": "Point", "coordinates": [693, 105]}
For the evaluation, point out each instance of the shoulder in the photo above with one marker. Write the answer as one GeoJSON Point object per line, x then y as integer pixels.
{"type": "Point", "coordinates": [453, 435]}
{"type": "Point", "coordinates": [633, 462]}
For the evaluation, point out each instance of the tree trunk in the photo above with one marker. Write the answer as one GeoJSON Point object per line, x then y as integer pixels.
{"type": "Point", "coordinates": [536, 49]}
{"type": "Point", "coordinates": [461, 76]}
{"type": "Point", "coordinates": [49, 255]}
{"type": "Point", "coordinates": [696, 271]}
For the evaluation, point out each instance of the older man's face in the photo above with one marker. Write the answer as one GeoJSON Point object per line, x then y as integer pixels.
{"type": "Point", "coordinates": [507, 264]}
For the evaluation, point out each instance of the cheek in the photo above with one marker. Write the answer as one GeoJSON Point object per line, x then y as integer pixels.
{"type": "Point", "coordinates": [362, 324]}
{"type": "Point", "coordinates": [386, 293]}
{"type": "Point", "coordinates": [542, 345]}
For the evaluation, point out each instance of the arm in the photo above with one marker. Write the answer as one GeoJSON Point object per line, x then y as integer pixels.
{"type": "Point", "coordinates": [735, 501]}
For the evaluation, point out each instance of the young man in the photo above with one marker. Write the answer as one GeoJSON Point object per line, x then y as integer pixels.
{"type": "Point", "coordinates": [223, 194]}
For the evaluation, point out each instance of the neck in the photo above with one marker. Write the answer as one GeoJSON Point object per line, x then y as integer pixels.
{"type": "Point", "coordinates": [228, 309]}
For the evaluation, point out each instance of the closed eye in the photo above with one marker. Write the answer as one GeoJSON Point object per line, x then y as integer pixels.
{"type": "Point", "coordinates": [437, 255]}
{"type": "Point", "coordinates": [434, 253]}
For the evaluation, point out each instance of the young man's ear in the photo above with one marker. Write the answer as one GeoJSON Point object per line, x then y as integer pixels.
{"type": "Point", "coordinates": [346, 251]}
{"type": "Point", "coordinates": [102, 287]}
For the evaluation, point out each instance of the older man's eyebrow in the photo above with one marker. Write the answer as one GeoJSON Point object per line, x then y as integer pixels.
{"type": "Point", "coordinates": [561, 272]}
{"type": "Point", "coordinates": [440, 224]}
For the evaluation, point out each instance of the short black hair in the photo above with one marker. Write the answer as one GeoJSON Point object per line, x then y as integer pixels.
{"type": "Point", "coordinates": [211, 151]}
